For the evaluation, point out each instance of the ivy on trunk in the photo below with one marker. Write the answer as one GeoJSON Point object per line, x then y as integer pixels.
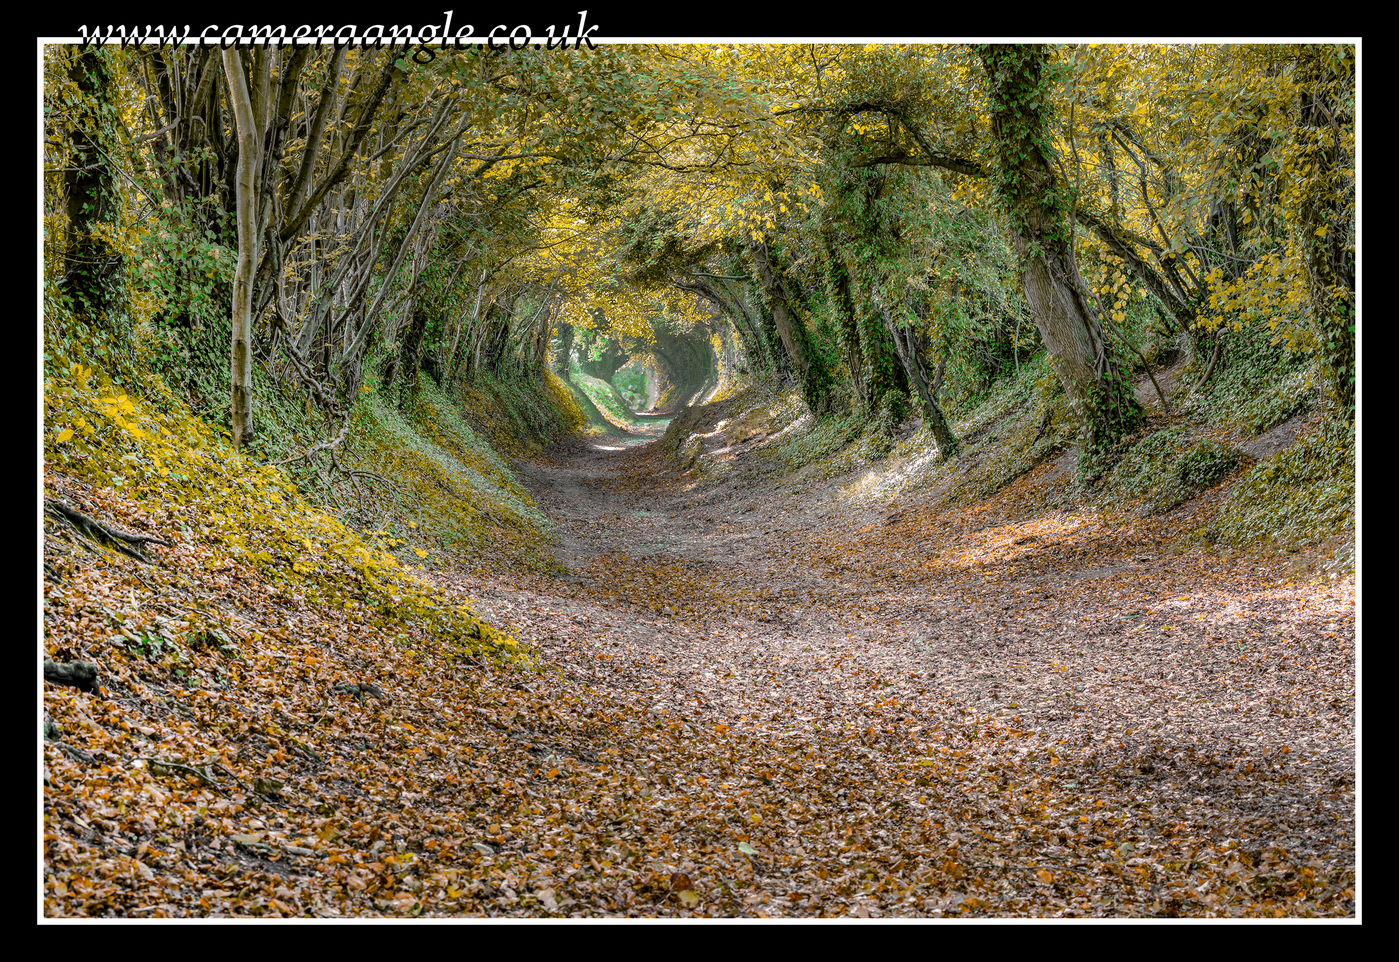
{"type": "Point", "coordinates": [1040, 209]}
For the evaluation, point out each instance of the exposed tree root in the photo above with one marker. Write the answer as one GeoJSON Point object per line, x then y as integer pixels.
{"type": "Point", "coordinates": [127, 542]}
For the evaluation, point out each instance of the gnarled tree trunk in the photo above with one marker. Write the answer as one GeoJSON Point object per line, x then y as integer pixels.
{"type": "Point", "coordinates": [1042, 225]}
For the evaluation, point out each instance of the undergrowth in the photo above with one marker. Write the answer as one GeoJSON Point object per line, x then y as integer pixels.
{"type": "Point", "coordinates": [1024, 419]}
{"type": "Point", "coordinates": [1299, 496]}
{"type": "Point", "coordinates": [452, 495]}
{"type": "Point", "coordinates": [519, 417]}
{"type": "Point", "coordinates": [1302, 495]}
{"type": "Point", "coordinates": [1256, 383]}
{"type": "Point", "coordinates": [1164, 470]}
{"type": "Point", "coordinates": [606, 398]}
{"type": "Point", "coordinates": [233, 512]}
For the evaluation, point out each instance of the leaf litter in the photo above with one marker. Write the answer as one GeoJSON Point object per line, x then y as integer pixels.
{"type": "Point", "coordinates": [735, 704]}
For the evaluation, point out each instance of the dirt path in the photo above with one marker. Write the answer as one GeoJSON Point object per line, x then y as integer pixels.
{"type": "Point", "coordinates": [1219, 693]}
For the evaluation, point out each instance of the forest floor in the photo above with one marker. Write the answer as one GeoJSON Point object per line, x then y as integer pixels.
{"type": "Point", "coordinates": [752, 699]}
{"type": "Point", "coordinates": [1186, 714]}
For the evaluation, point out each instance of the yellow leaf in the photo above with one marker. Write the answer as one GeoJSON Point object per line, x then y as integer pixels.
{"type": "Point", "coordinates": [420, 552]}
{"type": "Point", "coordinates": [65, 434]}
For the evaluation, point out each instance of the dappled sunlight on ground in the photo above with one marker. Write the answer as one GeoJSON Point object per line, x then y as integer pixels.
{"type": "Point", "coordinates": [896, 475]}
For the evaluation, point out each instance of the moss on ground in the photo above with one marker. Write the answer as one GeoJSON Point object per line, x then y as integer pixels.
{"type": "Point", "coordinates": [1302, 495]}
{"type": "Point", "coordinates": [607, 399]}
{"type": "Point", "coordinates": [228, 514]}
{"type": "Point", "coordinates": [452, 495]}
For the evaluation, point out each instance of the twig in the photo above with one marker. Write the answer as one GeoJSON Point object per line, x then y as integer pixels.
{"type": "Point", "coordinates": [354, 473]}
{"type": "Point", "coordinates": [221, 767]}
{"type": "Point", "coordinates": [1209, 368]}
{"type": "Point", "coordinates": [318, 447]}
{"type": "Point", "coordinates": [76, 754]}
{"type": "Point", "coordinates": [161, 767]}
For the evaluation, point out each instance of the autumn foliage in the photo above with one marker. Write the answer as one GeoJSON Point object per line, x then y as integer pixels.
{"type": "Point", "coordinates": [987, 549]}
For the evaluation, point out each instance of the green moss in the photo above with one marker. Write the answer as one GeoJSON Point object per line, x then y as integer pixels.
{"type": "Point", "coordinates": [1022, 420]}
{"type": "Point", "coordinates": [521, 416]}
{"type": "Point", "coordinates": [606, 398]}
{"type": "Point", "coordinates": [454, 496]}
{"type": "Point", "coordinates": [633, 383]}
{"type": "Point", "coordinates": [1166, 469]}
{"type": "Point", "coordinates": [1298, 496]}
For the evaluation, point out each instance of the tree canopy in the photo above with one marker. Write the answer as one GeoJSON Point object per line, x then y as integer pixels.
{"type": "Point", "coordinates": [873, 221]}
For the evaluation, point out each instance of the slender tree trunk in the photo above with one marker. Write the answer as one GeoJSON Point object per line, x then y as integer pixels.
{"type": "Point", "coordinates": [249, 167]}
{"type": "Point", "coordinates": [886, 377]}
{"type": "Point", "coordinates": [565, 350]}
{"type": "Point", "coordinates": [910, 354]}
{"type": "Point", "coordinates": [469, 328]}
{"type": "Point", "coordinates": [425, 208]}
{"type": "Point", "coordinates": [409, 352]}
{"type": "Point", "coordinates": [815, 378]}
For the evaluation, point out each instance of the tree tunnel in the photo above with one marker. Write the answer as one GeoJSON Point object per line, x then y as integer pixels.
{"type": "Point", "coordinates": [659, 375]}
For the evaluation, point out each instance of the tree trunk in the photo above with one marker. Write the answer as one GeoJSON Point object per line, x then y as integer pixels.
{"type": "Point", "coordinates": [408, 353]}
{"type": "Point", "coordinates": [905, 340]}
{"type": "Point", "coordinates": [843, 305]}
{"type": "Point", "coordinates": [469, 328]}
{"type": "Point", "coordinates": [249, 170]}
{"type": "Point", "coordinates": [93, 268]}
{"type": "Point", "coordinates": [815, 378]}
{"type": "Point", "coordinates": [1324, 228]}
{"type": "Point", "coordinates": [564, 351]}
{"type": "Point", "coordinates": [1042, 225]}
{"type": "Point", "coordinates": [425, 208]}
